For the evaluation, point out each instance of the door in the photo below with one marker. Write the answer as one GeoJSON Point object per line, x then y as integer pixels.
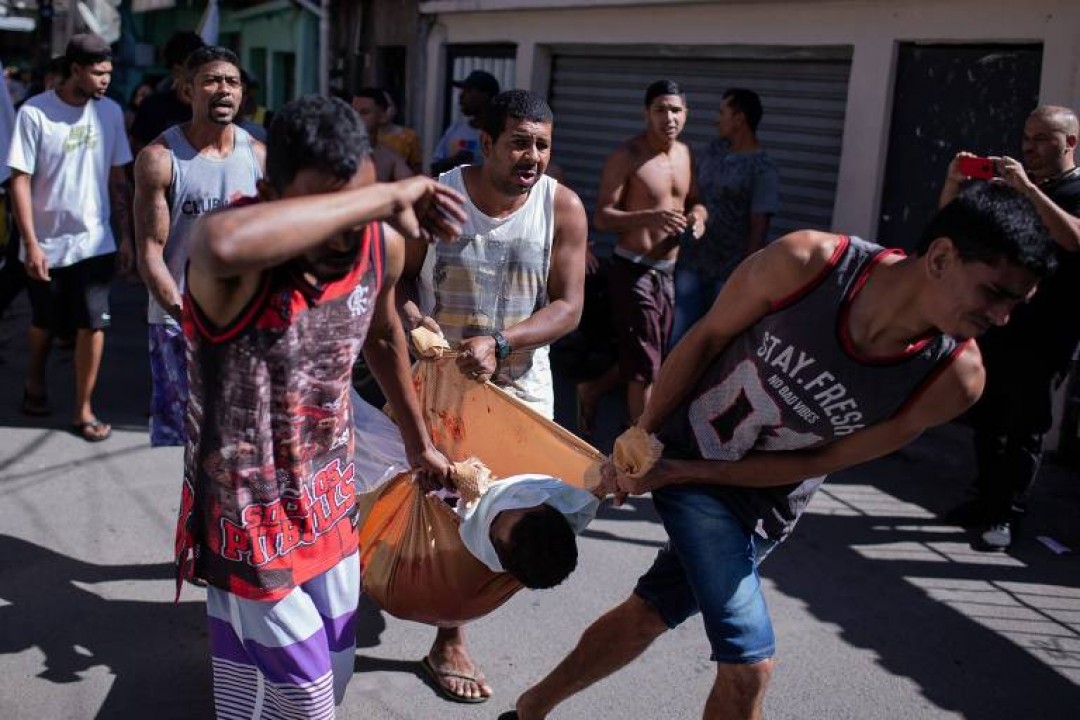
{"type": "Point", "coordinates": [949, 98]}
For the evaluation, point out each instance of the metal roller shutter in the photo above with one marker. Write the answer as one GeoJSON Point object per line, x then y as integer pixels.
{"type": "Point", "coordinates": [597, 96]}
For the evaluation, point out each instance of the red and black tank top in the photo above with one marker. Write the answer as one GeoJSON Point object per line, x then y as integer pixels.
{"type": "Point", "coordinates": [268, 494]}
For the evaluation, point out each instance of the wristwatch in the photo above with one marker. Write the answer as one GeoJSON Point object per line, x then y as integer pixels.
{"type": "Point", "coordinates": [502, 347]}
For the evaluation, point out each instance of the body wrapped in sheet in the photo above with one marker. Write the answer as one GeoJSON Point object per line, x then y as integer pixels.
{"type": "Point", "coordinates": [414, 563]}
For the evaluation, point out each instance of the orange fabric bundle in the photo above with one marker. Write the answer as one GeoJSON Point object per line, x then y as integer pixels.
{"type": "Point", "coordinates": [415, 565]}
{"type": "Point", "coordinates": [471, 419]}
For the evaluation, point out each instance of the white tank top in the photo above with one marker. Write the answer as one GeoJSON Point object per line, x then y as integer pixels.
{"type": "Point", "coordinates": [493, 277]}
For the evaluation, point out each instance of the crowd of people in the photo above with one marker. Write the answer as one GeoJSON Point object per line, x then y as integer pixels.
{"type": "Point", "coordinates": [275, 256]}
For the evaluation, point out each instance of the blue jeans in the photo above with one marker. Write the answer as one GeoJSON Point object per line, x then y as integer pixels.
{"type": "Point", "coordinates": [694, 295]}
{"type": "Point", "coordinates": [710, 565]}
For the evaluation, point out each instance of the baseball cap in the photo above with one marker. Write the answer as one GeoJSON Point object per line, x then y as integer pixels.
{"type": "Point", "coordinates": [482, 81]}
{"type": "Point", "coordinates": [87, 48]}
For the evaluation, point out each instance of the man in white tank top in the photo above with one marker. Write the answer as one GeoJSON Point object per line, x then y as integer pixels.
{"type": "Point", "coordinates": [190, 169]}
{"type": "Point", "coordinates": [511, 285]}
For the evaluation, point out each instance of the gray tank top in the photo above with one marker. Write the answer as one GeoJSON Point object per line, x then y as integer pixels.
{"type": "Point", "coordinates": [794, 380]}
{"type": "Point", "coordinates": [199, 185]}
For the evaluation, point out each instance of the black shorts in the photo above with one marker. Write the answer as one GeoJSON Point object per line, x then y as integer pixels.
{"type": "Point", "coordinates": [75, 297]}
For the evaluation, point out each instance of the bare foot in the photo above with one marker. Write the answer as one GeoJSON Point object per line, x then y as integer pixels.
{"type": "Point", "coordinates": [456, 674]}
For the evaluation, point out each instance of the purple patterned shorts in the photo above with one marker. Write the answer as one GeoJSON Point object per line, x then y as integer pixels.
{"type": "Point", "coordinates": [169, 393]}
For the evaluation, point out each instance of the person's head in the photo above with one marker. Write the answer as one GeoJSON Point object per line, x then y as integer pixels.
{"type": "Point", "coordinates": [984, 253]}
{"type": "Point", "coordinates": [54, 73]}
{"type": "Point", "coordinates": [535, 545]}
{"type": "Point", "coordinates": [665, 109]}
{"type": "Point", "coordinates": [88, 66]}
{"type": "Point", "coordinates": [740, 111]}
{"type": "Point", "coordinates": [371, 104]}
{"type": "Point", "coordinates": [317, 144]}
{"type": "Point", "coordinates": [1049, 141]}
{"type": "Point", "coordinates": [142, 91]}
{"type": "Point", "coordinates": [177, 48]}
{"type": "Point", "coordinates": [476, 91]}
{"type": "Point", "coordinates": [515, 138]}
{"type": "Point", "coordinates": [212, 77]}
{"type": "Point", "coordinates": [249, 101]}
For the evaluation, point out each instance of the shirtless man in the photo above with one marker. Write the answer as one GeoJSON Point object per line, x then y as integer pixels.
{"type": "Point", "coordinates": [648, 196]}
{"type": "Point", "coordinates": [759, 402]}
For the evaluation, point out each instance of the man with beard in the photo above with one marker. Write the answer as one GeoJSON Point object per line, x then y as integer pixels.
{"type": "Point", "coordinates": [648, 195]}
{"type": "Point", "coordinates": [190, 169]}
{"type": "Point", "coordinates": [68, 158]}
{"type": "Point", "coordinates": [511, 285]}
{"type": "Point", "coordinates": [283, 292]}
{"type": "Point", "coordinates": [1024, 358]}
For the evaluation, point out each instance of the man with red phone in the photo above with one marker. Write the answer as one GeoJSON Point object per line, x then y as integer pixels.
{"type": "Point", "coordinates": [1024, 358]}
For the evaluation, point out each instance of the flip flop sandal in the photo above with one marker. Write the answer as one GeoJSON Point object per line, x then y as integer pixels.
{"type": "Point", "coordinates": [439, 675]}
{"type": "Point", "coordinates": [93, 431]}
{"type": "Point", "coordinates": [35, 404]}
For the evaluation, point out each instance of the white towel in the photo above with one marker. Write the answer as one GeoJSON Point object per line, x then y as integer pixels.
{"type": "Point", "coordinates": [522, 491]}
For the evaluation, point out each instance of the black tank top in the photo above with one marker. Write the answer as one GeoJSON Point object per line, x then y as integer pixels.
{"type": "Point", "coordinates": [794, 380]}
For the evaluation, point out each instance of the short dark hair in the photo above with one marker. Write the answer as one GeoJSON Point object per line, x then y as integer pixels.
{"type": "Point", "coordinates": [542, 549]}
{"type": "Point", "coordinates": [990, 222]}
{"type": "Point", "coordinates": [517, 104]}
{"type": "Point", "coordinates": [208, 54]}
{"type": "Point", "coordinates": [660, 88]}
{"type": "Point", "coordinates": [179, 45]}
{"type": "Point", "coordinates": [746, 102]}
{"type": "Point", "coordinates": [376, 94]}
{"type": "Point", "coordinates": [314, 132]}
{"type": "Point", "coordinates": [85, 49]}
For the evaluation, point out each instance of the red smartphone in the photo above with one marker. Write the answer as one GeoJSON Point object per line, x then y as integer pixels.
{"type": "Point", "coordinates": [979, 168]}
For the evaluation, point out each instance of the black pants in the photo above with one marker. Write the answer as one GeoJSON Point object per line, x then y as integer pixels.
{"type": "Point", "coordinates": [1010, 421]}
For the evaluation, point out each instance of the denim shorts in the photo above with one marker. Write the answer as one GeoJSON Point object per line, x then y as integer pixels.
{"type": "Point", "coordinates": [710, 565]}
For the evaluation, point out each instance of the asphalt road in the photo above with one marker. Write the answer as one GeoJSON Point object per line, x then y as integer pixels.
{"type": "Point", "coordinates": [881, 610]}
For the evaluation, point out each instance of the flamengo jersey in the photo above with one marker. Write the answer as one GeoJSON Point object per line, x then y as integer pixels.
{"type": "Point", "coordinates": [794, 380]}
{"type": "Point", "coordinates": [268, 496]}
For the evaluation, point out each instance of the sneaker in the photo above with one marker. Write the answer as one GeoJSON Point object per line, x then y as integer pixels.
{"type": "Point", "coordinates": [995, 538]}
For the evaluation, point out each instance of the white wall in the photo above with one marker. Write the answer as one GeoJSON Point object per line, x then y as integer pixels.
{"type": "Point", "coordinates": [873, 28]}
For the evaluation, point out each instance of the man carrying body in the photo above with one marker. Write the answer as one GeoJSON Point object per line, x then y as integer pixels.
{"type": "Point", "coordinates": [648, 196]}
{"type": "Point", "coordinates": [189, 170]}
{"type": "Point", "coordinates": [1023, 358]}
{"type": "Point", "coordinates": [508, 288]}
{"type": "Point", "coordinates": [67, 160]}
{"type": "Point", "coordinates": [281, 295]}
{"type": "Point", "coordinates": [782, 383]}
{"type": "Point", "coordinates": [740, 187]}
{"type": "Point", "coordinates": [460, 144]}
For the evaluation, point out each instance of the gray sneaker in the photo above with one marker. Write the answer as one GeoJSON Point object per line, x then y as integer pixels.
{"type": "Point", "coordinates": [996, 537]}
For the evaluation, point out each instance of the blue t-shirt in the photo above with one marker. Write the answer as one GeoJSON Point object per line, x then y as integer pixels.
{"type": "Point", "coordinates": [733, 186]}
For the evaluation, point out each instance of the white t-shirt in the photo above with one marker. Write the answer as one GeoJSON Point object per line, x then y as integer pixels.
{"type": "Point", "coordinates": [68, 151]}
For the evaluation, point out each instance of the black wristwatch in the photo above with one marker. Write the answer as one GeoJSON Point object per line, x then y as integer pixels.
{"type": "Point", "coordinates": [502, 347]}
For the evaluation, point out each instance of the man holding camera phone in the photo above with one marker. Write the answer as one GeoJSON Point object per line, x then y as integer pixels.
{"type": "Point", "coordinates": [1024, 358]}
